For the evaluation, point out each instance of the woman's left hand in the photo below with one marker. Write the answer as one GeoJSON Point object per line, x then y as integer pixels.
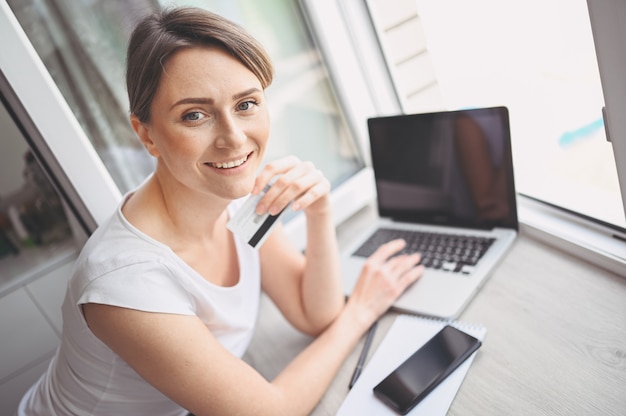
{"type": "Point", "coordinates": [298, 182]}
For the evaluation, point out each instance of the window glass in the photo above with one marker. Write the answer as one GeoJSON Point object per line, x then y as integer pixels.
{"type": "Point", "coordinates": [83, 44]}
{"type": "Point", "coordinates": [536, 57]}
{"type": "Point", "coordinates": [37, 230]}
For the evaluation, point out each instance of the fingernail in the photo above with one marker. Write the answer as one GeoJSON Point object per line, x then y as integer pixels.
{"type": "Point", "coordinates": [274, 211]}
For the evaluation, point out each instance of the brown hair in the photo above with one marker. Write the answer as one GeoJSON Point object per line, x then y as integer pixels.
{"type": "Point", "coordinates": [161, 34]}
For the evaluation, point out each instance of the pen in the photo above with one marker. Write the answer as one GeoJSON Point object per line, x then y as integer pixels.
{"type": "Point", "coordinates": [363, 356]}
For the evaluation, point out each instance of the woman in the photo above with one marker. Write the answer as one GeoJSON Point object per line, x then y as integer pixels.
{"type": "Point", "coordinates": [163, 298]}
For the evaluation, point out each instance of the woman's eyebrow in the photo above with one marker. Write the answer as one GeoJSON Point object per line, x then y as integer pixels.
{"type": "Point", "coordinates": [246, 92]}
{"type": "Point", "coordinates": [192, 100]}
{"type": "Point", "coordinates": [210, 101]}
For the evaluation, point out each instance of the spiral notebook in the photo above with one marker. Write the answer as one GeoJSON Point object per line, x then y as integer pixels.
{"type": "Point", "coordinates": [406, 335]}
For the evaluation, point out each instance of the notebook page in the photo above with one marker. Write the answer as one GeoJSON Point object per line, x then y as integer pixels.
{"type": "Point", "coordinates": [406, 335]}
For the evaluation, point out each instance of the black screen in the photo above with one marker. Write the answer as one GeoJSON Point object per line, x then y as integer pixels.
{"type": "Point", "coordinates": [426, 368]}
{"type": "Point", "coordinates": [445, 168]}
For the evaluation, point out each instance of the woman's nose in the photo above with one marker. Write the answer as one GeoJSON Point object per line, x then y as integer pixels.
{"type": "Point", "coordinates": [229, 132]}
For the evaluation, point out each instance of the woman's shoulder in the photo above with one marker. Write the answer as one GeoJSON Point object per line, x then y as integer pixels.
{"type": "Point", "coordinates": [119, 268]}
{"type": "Point", "coordinates": [116, 244]}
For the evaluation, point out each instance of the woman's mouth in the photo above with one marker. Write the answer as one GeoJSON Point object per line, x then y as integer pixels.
{"type": "Point", "coordinates": [230, 164]}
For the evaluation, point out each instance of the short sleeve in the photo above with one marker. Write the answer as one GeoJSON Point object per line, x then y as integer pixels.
{"type": "Point", "coordinates": [147, 286]}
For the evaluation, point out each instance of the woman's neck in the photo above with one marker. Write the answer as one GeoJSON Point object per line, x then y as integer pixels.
{"type": "Point", "coordinates": [175, 213]}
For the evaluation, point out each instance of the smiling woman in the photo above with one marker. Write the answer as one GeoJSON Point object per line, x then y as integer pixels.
{"type": "Point", "coordinates": [162, 302]}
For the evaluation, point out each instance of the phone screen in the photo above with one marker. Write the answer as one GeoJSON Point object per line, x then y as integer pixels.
{"type": "Point", "coordinates": [408, 384]}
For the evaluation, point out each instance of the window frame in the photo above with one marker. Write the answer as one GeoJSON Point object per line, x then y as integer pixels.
{"type": "Point", "coordinates": [51, 115]}
{"type": "Point", "coordinates": [608, 25]}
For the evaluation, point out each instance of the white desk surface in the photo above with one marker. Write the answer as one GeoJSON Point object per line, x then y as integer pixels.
{"type": "Point", "coordinates": [556, 340]}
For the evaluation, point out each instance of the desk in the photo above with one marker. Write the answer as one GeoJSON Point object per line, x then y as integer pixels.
{"type": "Point", "coordinates": [556, 340]}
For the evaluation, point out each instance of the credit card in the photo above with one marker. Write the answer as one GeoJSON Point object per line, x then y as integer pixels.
{"type": "Point", "coordinates": [250, 226]}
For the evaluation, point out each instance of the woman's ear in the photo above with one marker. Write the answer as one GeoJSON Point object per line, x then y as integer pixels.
{"type": "Point", "coordinates": [142, 131]}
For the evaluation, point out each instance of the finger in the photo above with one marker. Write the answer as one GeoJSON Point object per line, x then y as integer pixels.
{"type": "Point", "coordinates": [411, 275]}
{"type": "Point", "coordinates": [319, 187]}
{"type": "Point", "coordinates": [273, 169]}
{"type": "Point", "coordinates": [293, 182]}
{"type": "Point", "coordinates": [385, 251]}
{"type": "Point", "coordinates": [401, 264]}
{"type": "Point", "coordinates": [278, 196]}
{"type": "Point", "coordinates": [292, 185]}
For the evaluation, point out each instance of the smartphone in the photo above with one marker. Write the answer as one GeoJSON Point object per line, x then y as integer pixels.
{"type": "Point", "coordinates": [408, 384]}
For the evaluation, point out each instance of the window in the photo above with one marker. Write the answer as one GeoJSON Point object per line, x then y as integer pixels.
{"type": "Point", "coordinates": [536, 58]}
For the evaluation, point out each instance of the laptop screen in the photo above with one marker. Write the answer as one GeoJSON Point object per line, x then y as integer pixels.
{"type": "Point", "coordinates": [445, 168]}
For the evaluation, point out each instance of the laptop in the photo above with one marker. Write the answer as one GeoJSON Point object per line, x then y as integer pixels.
{"type": "Point", "coordinates": [444, 182]}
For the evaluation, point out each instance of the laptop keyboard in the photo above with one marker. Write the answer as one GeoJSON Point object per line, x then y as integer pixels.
{"type": "Point", "coordinates": [450, 252]}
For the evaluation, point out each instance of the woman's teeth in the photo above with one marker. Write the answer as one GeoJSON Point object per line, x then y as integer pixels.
{"type": "Point", "coordinates": [230, 164]}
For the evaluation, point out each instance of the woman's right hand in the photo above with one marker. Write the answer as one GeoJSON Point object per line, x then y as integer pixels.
{"type": "Point", "coordinates": [383, 279]}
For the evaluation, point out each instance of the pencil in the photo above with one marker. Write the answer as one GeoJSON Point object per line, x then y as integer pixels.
{"type": "Point", "coordinates": [363, 356]}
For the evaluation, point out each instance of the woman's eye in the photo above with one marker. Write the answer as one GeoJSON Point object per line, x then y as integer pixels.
{"type": "Point", "coordinates": [193, 116]}
{"type": "Point", "coordinates": [246, 105]}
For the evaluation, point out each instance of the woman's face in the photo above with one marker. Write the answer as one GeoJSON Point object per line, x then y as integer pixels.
{"type": "Point", "coordinates": [209, 123]}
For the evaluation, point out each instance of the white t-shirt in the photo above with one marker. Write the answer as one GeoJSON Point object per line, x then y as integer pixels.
{"type": "Point", "coordinates": [122, 266]}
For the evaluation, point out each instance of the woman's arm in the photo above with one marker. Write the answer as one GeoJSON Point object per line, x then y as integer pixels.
{"type": "Point", "coordinates": [178, 355]}
{"type": "Point", "coordinates": [307, 289]}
